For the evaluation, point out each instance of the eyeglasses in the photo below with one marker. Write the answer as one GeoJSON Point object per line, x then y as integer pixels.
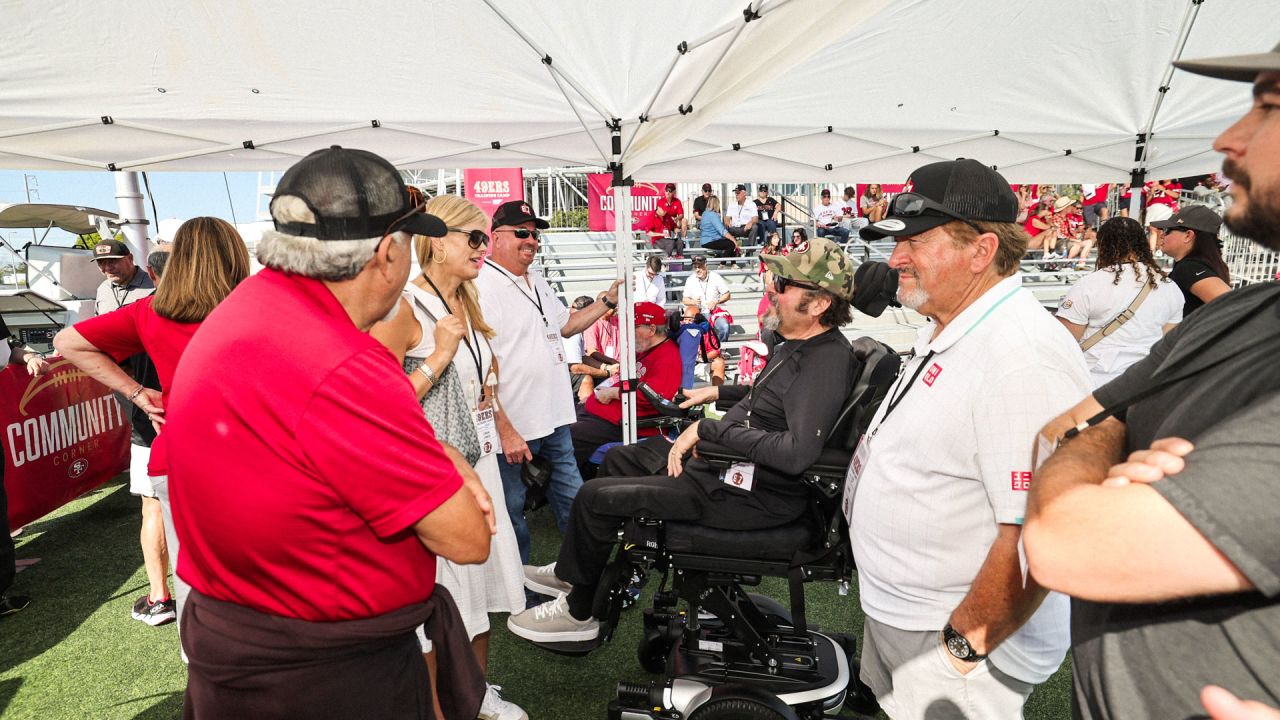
{"type": "Point", "coordinates": [523, 233]}
{"type": "Point", "coordinates": [909, 204]}
{"type": "Point", "coordinates": [475, 238]}
{"type": "Point", "coordinates": [780, 284]}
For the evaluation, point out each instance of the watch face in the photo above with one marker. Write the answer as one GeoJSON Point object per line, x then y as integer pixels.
{"type": "Point", "coordinates": [959, 647]}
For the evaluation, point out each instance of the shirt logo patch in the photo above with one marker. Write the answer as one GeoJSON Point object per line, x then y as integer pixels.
{"type": "Point", "coordinates": [932, 374]}
{"type": "Point", "coordinates": [1021, 479]}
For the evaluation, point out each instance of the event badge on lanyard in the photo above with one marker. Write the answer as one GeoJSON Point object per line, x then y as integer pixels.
{"type": "Point", "coordinates": [740, 475]}
{"type": "Point", "coordinates": [486, 426]}
{"type": "Point", "coordinates": [554, 341]}
{"type": "Point", "coordinates": [856, 466]}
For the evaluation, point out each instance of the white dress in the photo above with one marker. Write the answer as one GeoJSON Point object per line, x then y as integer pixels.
{"type": "Point", "coordinates": [498, 584]}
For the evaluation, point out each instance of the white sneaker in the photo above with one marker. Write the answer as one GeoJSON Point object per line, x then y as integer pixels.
{"type": "Point", "coordinates": [551, 622]}
{"type": "Point", "coordinates": [493, 707]}
{"type": "Point", "coordinates": [543, 580]}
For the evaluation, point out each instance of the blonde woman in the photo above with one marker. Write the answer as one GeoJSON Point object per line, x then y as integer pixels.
{"type": "Point", "coordinates": [439, 329]}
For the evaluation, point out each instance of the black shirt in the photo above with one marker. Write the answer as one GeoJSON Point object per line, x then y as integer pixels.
{"type": "Point", "coordinates": [792, 409]}
{"type": "Point", "coordinates": [1151, 660]}
{"type": "Point", "coordinates": [1187, 272]}
{"type": "Point", "coordinates": [766, 208]}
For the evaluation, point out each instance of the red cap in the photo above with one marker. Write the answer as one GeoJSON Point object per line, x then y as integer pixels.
{"type": "Point", "coordinates": [648, 313]}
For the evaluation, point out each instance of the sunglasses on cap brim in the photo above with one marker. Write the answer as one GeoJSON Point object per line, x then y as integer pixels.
{"type": "Point", "coordinates": [475, 238]}
{"type": "Point", "coordinates": [523, 233]}
{"type": "Point", "coordinates": [909, 204]}
{"type": "Point", "coordinates": [780, 284]}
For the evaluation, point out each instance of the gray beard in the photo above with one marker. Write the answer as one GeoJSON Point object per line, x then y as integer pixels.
{"type": "Point", "coordinates": [913, 299]}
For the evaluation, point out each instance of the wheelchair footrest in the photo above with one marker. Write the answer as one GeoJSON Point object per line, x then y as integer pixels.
{"type": "Point", "coordinates": [572, 649]}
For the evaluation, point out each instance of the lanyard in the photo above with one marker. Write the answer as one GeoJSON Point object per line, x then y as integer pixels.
{"type": "Point", "coordinates": [536, 300]}
{"type": "Point", "coordinates": [473, 345]}
{"type": "Point", "coordinates": [894, 402]}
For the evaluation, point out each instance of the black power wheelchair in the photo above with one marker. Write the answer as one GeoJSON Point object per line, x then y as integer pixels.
{"type": "Point", "coordinates": [729, 653]}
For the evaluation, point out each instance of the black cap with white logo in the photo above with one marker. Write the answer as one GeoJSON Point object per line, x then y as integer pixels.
{"type": "Point", "coordinates": [110, 249]}
{"type": "Point", "coordinates": [966, 188]}
{"type": "Point", "coordinates": [517, 212]}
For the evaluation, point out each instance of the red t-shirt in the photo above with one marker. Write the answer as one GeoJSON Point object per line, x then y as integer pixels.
{"type": "Point", "coordinates": [1072, 223]}
{"type": "Point", "coordinates": [667, 222]}
{"type": "Point", "coordinates": [1162, 198]}
{"type": "Point", "coordinates": [1031, 229]}
{"type": "Point", "coordinates": [1099, 194]}
{"type": "Point", "coordinates": [137, 328]}
{"type": "Point", "coordinates": [300, 459]}
{"type": "Point", "coordinates": [660, 369]}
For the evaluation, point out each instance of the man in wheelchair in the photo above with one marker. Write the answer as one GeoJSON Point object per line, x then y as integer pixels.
{"type": "Point", "coordinates": [780, 426]}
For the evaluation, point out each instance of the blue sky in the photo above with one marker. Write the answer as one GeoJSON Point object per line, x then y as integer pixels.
{"type": "Point", "coordinates": [177, 195]}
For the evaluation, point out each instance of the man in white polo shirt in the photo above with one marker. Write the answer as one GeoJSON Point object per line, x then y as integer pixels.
{"type": "Point", "coordinates": [534, 387]}
{"type": "Point", "coordinates": [740, 215]}
{"type": "Point", "coordinates": [938, 487]}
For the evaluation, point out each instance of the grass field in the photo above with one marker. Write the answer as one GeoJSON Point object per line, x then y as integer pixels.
{"type": "Point", "coordinates": [76, 653]}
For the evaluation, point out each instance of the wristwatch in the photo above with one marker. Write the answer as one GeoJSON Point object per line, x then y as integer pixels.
{"type": "Point", "coordinates": [958, 646]}
{"type": "Point", "coordinates": [608, 303]}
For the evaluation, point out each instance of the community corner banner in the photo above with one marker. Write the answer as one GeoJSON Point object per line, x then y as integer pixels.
{"type": "Point", "coordinates": [64, 434]}
{"type": "Point", "coordinates": [490, 187]}
{"type": "Point", "coordinates": [644, 199]}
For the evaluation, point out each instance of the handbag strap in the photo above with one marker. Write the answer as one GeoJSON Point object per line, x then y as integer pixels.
{"type": "Point", "coordinates": [1120, 319]}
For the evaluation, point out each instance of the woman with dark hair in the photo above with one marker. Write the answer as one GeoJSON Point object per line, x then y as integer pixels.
{"type": "Point", "coordinates": [207, 261]}
{"type": "Point", "coordinates": [1128, 283]}
{"type": "Point", "coordinates": [798, 235]}
{"type": "Point", "coordinates": [1190, 237]}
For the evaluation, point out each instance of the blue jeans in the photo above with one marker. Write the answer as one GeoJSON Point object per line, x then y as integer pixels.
{"type": "Point", "coordinates": [721, 328]}
{"type": "Point", "coordinates": [836, 231]}
{"type": "Point", "coordinates": [763, 228]}
{"type": "Point", "coordinates": [565, 482]}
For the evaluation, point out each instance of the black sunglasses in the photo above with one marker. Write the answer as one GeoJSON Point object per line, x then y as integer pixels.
{"type": "Point", "coordinates": [909, 204]}
{"type": "Point", "coordinates": [780, 284]}
{"type": "Point", "coordinates": [523, 233]}
{"type": "Point", "coordinates": [475, 238]}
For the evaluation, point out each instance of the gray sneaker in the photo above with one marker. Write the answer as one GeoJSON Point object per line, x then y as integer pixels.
{"type": "Point", "coordinates": [551, 622]}
{"type": "Point", "coordinates": [543, 580]}
{"type": "Point", "coordinates": [495, 708]}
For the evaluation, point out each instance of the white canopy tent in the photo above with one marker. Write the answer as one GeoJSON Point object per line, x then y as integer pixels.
{"type": "Point", "coordinates": [775, 90]}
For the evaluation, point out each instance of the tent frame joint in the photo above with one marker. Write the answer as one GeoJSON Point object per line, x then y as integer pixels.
{"type": "Point", "coordinates": [750, 14]}
{"type": "Point", "coordinates": [108, 120]}
{"type": "Point", "coordinates": [686, 109]}
{"type": "Point", "coordinates": [248, 145]}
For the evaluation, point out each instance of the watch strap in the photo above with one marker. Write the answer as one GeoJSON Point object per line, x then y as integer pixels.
{"type": "Point", "coordinates": [948, 634]}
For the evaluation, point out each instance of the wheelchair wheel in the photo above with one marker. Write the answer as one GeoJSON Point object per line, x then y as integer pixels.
{"type": "Point", "coordinates": [735, 709]}
{"type": "Point", "coordinates": [653, 650]}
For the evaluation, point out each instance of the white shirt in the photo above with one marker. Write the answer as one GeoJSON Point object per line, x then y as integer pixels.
{"type": "Point", "coordinates": [827, 214]}
{"type": "Point", "coordinates": [952, 462]}
{"type": "Point", "coordinates": [736, 215]}
{"type": "Point", "coordinates": [1096, 299]}
{"type": "Point", "coordinates": [654, 291]}
{"type": "Point", "coordinates": [706, 292]}
{"type": "Point", "coordinates": [533, 384]}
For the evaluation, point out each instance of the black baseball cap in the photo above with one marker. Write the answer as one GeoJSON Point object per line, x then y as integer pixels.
{"type": "Point", "coordinates": [743, 188]}
{"type": "Point", "coordinates": [517, 212]}
{"type": "Point", "coordinates": [670, 187]}
{"type": "Point", "coordinates": [1243, 68]}
{"type": "Point", "coordinates": [353, 195]}
{"type": "Point", "coordinates": [110, 249]}
{"type": "Point", "coordinates": [706, 187]}
{"type": "Point", "coordinates": [966, 187]}
{"type": "Point", "coordinates": [826, 192]}
{"type": "Point", "coordinates": [1194, 217]}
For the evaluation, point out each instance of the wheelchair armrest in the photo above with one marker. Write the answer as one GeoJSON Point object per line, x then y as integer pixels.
{"type": "Point", "coordinates": [832, 463]}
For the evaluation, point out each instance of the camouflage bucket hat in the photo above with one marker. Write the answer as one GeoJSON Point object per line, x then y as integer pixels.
{"type": "Point", "coordinates": [817, 262]}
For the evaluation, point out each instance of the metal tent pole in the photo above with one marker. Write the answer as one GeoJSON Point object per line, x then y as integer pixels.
{"type": "Point", "coordinates": [133, 214]}
{"type": "Point", "coordinates": [626, 316]}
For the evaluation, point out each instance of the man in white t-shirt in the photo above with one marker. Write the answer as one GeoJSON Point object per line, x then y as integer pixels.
{"type": "Point", "coordinates": [740, 215]}
{"type": "Point", "coordinates": [649, 284]}
{"type": "Point", "coordinates": [827, 217]}
{"type": "Point", "coordinates": [708, 291]}
{"type": "Point", "coordinates": [938, 486]}
{"type": "Point", "coordinates": [534, 387]}
{"type": "Point", "coordinates": [1099, 298]}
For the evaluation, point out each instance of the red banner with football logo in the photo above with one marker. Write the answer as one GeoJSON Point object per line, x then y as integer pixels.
{"type": "Point", "coordinates": [490, 187]}
{"type": "Point", "coordinates": [64, 434]}
{"type": "Point", "coordinates": [600, 216]}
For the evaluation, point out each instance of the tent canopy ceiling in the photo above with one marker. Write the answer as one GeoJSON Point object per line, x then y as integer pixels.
{"type": "Point", "coordinates": [811, 90]}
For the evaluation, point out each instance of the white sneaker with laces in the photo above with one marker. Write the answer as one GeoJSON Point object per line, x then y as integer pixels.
{"type": "Point", "coordinates": [551, 622]}
{"type": "Point", "coordinates": [493, 707]}
{"type": "Point", "coordinates": [543, 580]}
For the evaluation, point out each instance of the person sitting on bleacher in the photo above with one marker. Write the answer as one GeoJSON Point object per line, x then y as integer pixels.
{"type": "Point", "coordinates": [698, 344]}
{"type": "Point", "coordinates": [708, 291]}
{"type": "Point", "coordinates": [657, 365]}
{"type": "Point", "coordinates": [780, 425]}
{"type": "Point", "coordinates": [827, 217]}
{"type": "Point", "coordinates": [649, 284]}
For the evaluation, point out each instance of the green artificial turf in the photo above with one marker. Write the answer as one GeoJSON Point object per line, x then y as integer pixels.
{"type": "Point", "coordinates": [76, 653]}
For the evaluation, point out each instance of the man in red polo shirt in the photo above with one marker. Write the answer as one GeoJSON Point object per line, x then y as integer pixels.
{"type": "Point", "coordinates": [309, 493]}
{"type": "Point", "coordinates": [657, 365]}
{"type": "Point", "coordinates": [669, 227]}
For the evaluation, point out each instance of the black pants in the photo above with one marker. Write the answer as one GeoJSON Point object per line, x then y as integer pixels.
{"type": "Point", "coordinates": [722, 248]}
{"type": "Point", "coordinates": [646, 457]}
{"type": "Point", "coordinates": [589, 433]}
{"type": "Point", "coordinates": [670, 245]}
{"type": "Point", "coordinates": [8, 558]}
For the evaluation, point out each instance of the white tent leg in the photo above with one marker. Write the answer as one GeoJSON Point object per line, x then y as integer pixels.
{"type": "Point", "coordinates": [626, 317]}
{"type": "Point", "coordinates": [133, 215]}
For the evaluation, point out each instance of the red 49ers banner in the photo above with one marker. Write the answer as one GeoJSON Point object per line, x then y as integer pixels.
{"type": "Point", "coordinates": [600, 216]}
{"type": "Point", "coordinates": [490, 187]}
{"type": "Point", "coordinates": [64, 434]}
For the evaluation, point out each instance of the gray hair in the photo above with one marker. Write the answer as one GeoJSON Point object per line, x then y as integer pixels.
{"type": "Point", "coordinates": [332, 260]}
